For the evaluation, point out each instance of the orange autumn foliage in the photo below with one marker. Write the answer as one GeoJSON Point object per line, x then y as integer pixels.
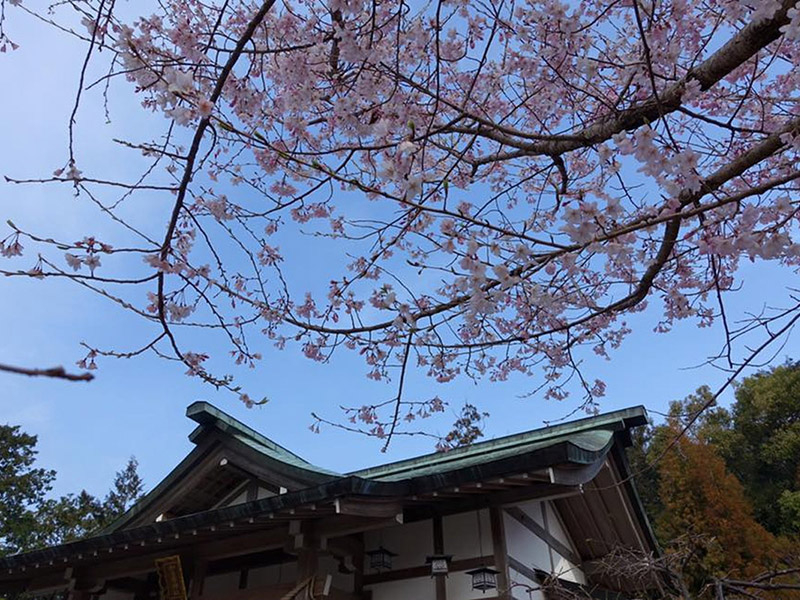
{"type": "Point", "coordinates": [707, 513]}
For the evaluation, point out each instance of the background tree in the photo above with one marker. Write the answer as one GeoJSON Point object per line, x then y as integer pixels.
{"type": "Point", "coordinates": [75, 516]}
{"type": "Point", "coordinates": [721, 484]}
{"type": "Point", "coordinates": [762, 445]}
{"type": "Point", "coordinates": [707, 516]}
{"type": "Point", "coordinates": [758, 438]}
{"type": "Point", "coordinates": [22, 486]}
{"type": "Point", "coordinates": [29, 519]}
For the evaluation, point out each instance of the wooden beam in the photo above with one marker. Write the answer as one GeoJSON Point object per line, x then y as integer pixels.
{"type": "Point", "coordinates": [347, 545]}
{"type": "Point", "coordinates": [368, 508]}
{"type": "Point", "coordinates": [438, 548]}
{"type": "Point", "coordinates": [254, 560]}
{"type": "Point", "coordinates": [318, 587]}
{"type": "Point", "coordinates": [347, 524]}
{"type": "Point", "coordinates": [201, 461]}
{"type": "Point", "coordinates": [464, 564]}
{"type": "Point", "coordinates": [528, 522]}
{"type": "Point", "coordinates": [500, 552]}
{"type": "Point", "coordinates": [232, 546]}
{"type": "Point", "coordinates": [547, 529]}
{"type": "Point", "coordinates": [523, 570]}
{"type": "Point", "coordinates": [49, 582]}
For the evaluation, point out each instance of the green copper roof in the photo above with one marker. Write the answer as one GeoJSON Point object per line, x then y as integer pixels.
{"type": "Point", "coordinates": [208, 416]}
{"type": "Point", "coordinates": [580, 445]}
{"type": "Point", "coordinates": [591, 434]}
{"type": "Point", "coordinates": [582, 441]}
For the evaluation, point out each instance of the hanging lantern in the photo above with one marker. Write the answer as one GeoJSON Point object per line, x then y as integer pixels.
{"type": "Point", "coordinates": [483, 579]}
{"type": "Point", "coordinates": [439, 564]}
{"type": "Point", "coordinates": [380, 559]}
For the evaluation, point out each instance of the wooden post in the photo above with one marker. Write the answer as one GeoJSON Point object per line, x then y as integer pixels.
{"type": "Point", "coordinates": [438, 548]}
{"type": "Point", "coordinates": [198, 579]}
{"type": "Point", "coordinates": [500, 553]}
{"type": "Point", "coordinates": [308, 552]}
{"type": "Point", "coordinates": [358, 563]}
{"type": "Point", "coordinates": [252, 494]}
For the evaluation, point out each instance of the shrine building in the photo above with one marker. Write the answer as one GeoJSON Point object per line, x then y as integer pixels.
{"type": "Point", "coordinates": [242, 518]}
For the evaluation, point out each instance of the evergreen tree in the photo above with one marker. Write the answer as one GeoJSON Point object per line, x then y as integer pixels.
{"type": "Point", "coordinates": [21, 487]}
{"type": "Point", "coordinates": [762, 446]}
{"type": "Point", "coordinates": [29, 519]}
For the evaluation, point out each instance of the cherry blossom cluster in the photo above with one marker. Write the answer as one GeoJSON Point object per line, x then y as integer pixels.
{"type": "Point", "coordinates": [507, 180]}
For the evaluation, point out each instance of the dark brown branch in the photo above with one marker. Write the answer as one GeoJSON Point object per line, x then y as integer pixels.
{"type": "Point", "coordinates": [54, 372]}
{"type": "Point", "coordinates": [739, 49]}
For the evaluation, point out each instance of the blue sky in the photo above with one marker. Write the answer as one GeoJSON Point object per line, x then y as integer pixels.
{"type": "Point", "coordinates": [136, 407]}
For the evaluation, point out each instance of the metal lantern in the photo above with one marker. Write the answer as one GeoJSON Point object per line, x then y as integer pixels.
{"type": "Point", "coordinates": [380, 559]}
{"type": "Point", "coordinates": [439, 564]}
{"type": "Point", "coordinates": [483, 579]}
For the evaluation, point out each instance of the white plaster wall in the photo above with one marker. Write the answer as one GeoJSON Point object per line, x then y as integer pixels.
{"type": "Point", "coordinates": [264, 493]}
{"type": "Point", "coordinates": [556, 529]}
{"type": "Point", "coordinates": [461, 535]}
{"type": "Point", "coordinates": [523, 588]}
{"type": "Point", "coordinates": [412, 543]}
{"type": "Point", "coordinates": [563, 567]}
{"type": "Point", "coordinates": [242, 497]}
{"type": "Point", "coordinates": [419, 588]}
{"type": "Point", "coordinates": [328, 565]}
{"type": "Point", "coordinates": [567, 570]}
{"type": "Point", "coordinates": [533, 509]}
{"type": "Point", "coordinates": [238, 499]}
{"type": "Point", "coordinates": [523, 545]}
{"type": "Point", "coordinates": [532, 551]}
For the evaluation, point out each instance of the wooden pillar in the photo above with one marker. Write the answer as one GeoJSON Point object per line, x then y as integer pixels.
{"type": "Point", "coordinates": [148, 589]}
{"type": "Point", "coordinates": [358, 564]}
{"type": "Point", "coordinates": [197, 580]}
{"type": "Point", "coordinates": [307, 551]}
{"type": "Point", "coordinates": [500, 553]}
{"type": "Point", "coordinates": [252, 494]}
{"type": "Point", "coordinates": [438, 548]}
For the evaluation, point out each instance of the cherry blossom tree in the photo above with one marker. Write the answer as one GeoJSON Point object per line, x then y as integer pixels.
{"type": "Point", "coordinates": [508, 180]}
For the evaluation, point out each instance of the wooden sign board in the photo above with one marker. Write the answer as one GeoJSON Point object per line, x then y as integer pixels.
{"type": "Point", "coordinates": [170, 578]}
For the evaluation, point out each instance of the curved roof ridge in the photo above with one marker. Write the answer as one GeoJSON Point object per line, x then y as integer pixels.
{"type": "Point", "coordinates": [619, 419]}
{"type": "Point", "coordinates": [207, 415]}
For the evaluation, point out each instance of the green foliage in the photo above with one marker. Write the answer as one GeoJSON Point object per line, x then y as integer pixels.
{"type": "Point", "coordinates": [75, 516]}
{"type": "Point", "coordinates": [763, 447]}
{"type": "Point", "coordinates": [21, 487]}
{"type": "Point", "coordinates": [789, 506]}
{"type": "Point", "coordinates": [29, 520]}
{"type": "Point", "coordinates": [726, 494]}
{"type": "Point", "coordinates": [646, 478]}
{"type": "Point", "coordinates": [758, 438]}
